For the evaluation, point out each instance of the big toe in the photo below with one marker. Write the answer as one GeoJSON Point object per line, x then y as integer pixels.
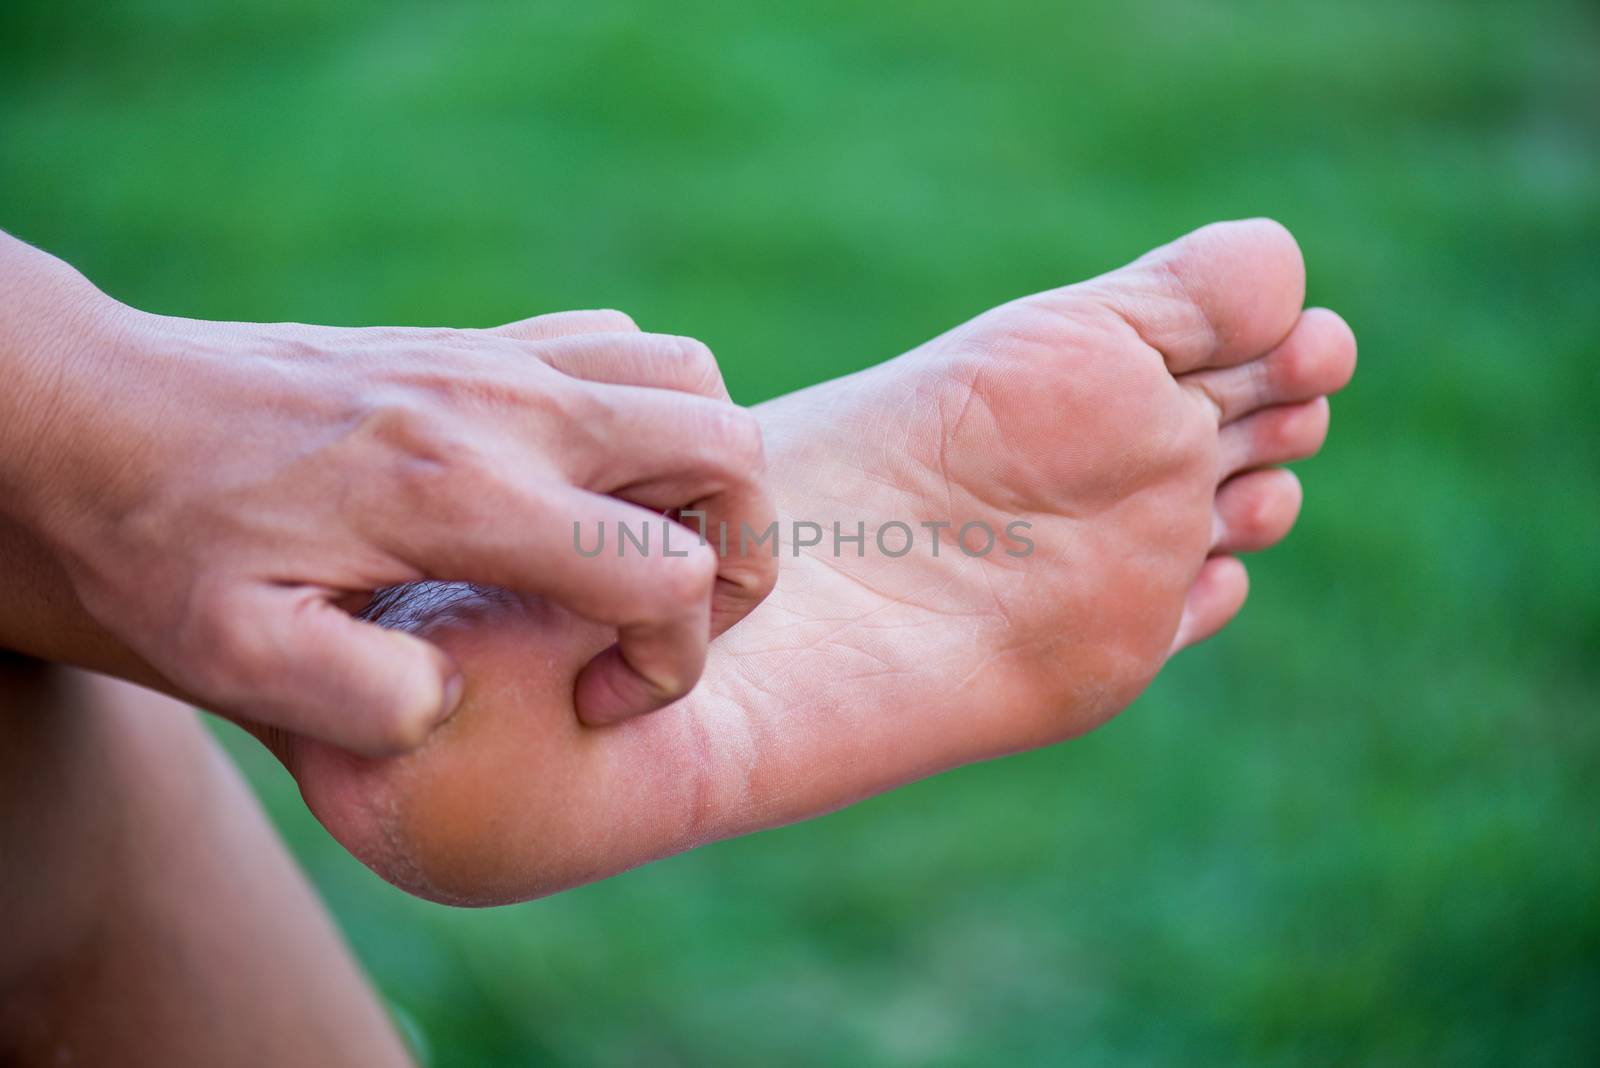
{"type": "Point", "coordinates": [1221, 295]}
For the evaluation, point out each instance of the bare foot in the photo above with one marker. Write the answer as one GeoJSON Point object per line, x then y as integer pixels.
{"type": "Point", "coordinates": [1130, 420]}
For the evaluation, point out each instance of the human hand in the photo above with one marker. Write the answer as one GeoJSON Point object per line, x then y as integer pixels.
{"type": "Point", "coordinates": [223, 496]}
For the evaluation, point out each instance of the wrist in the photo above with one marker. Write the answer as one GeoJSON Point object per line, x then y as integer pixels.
{"type": "Point", "coordinates": [59, 336]}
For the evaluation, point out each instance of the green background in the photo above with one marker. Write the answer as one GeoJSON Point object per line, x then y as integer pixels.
{"type": "Point", "coordinates": [1361, 827]}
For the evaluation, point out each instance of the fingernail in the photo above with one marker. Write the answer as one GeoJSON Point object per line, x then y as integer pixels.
{"type": "Point", "coordinates": [455, 686]}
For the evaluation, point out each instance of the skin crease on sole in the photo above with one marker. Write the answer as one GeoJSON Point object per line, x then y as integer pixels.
{"type": "Point", "coordinates": [1132, 420]}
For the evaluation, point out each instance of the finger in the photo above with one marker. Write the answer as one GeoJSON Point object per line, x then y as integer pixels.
{"type": "Point", "coordinates": [661, 361]}
{"type": "Point", "coordinates": [648, 668]}
{"type": "Point", "coordinates": [1218, 593]}
{"type": "Point", "coordinates": [739, 525]}
{"type": "Point", "coordinates": [1255, 510]}
{"type": "Point", "coordinates": [607, 346]}
{"type": "Point", "coordinates": [605, 559]}
{"type": "Point", "coordinates": [567, 323]}
{"type": "Point", "coordinates": [286, 657]}
{"type": "Point", "coordinates": [691, 454]}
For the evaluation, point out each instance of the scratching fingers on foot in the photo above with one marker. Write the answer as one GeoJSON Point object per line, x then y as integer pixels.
{"type": "Point", "coordinates": [659, 361]}
{"type": "Point", "coordinates": [1317, 358]}
{"type": "Point", "coordinates": [1275, 435]}
{"type": "Point", "coordinates": [291, 658]}
{"type": "Point", "coordinates": [607, 346]}
{"type": "Point", "coordinates": [1215, 598]}
{"type": "Point", "coordinates": [1255, 510]}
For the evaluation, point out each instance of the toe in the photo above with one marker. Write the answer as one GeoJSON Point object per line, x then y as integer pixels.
{"type": "Point", "coordinates": [1215, 598]}
{"type": "Point", "coordinates": [1318, 357]}
{"type": "Point", "coordinates": [1275, 435]}
{"type": "Point", "coordinates": [1224, 294]}
{"type": "Point", "coordinates": [1255, 510]}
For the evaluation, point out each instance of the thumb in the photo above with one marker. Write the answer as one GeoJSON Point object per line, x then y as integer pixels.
{"type": "Point", "coordinates": [287, 658]}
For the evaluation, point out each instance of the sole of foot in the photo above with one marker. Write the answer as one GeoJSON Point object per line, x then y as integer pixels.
{"type": "Point", "coordinates": [1133, 422]}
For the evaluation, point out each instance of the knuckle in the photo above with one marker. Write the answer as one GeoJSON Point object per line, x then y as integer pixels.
{"type": "Point", "coordinates": [537, 399]}
{"type": "Point", "coordinates": [580, 437]}
{"type": "Point", "coordinates": [582, 406]}
{"type": "Point", "coordinates": [437, 478]}
{"type": "Point", "coordinates": [608, 320]}
{"type": "Point", "coordinates": [697, 366]}
{"type": "Point", "coordinates": [420, 484]}
{"type": "Point", "coordinates": [402, 425]}
{"type": "Point", "coordinates": [450, 337]}
{"type": "Point", "coordinates": [524, 390]}
{"type": "Point", "coordinates": [430, 355]}
{"type": "Point", "coordinates": [221, 659]}
{"type": "Point", "coordinates": [736, 434]}
{"type": "Point", "coordinates": [429, 459]}
{"type": "Point", "coordinates": [428, 389]}
{"type": "Point", "coordinates": [689, 579]}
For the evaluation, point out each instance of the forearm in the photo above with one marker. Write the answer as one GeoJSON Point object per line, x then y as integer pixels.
{"type": "Point", "coordinates": [49, 315]}
{"type": "Point", "coordinates": [51, 320]}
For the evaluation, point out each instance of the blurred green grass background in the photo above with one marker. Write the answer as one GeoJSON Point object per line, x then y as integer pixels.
{"type": "Point", "coordinates": [1361, 827]}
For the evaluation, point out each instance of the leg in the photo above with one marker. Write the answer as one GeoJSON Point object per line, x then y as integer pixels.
{"type": "Point", "coordinates": [152, 917]}
{"type": "Point", "coordinates": [1131, 421]}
